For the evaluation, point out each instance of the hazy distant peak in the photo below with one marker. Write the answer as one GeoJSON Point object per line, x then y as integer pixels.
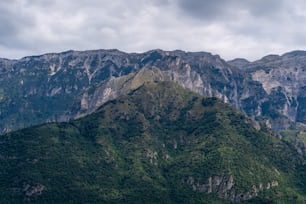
{"type": "Point", "coordinates": [295, 53]}
{"type": "Point", "coordinates": [238, 62]}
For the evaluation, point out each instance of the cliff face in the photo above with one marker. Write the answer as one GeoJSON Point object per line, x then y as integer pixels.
{"type": "Point", "coordinates": [283, 80]}
{"type": "Point", "coordinates": [59, 87]}
{"type": "Point", "coordinates": [40, 89]}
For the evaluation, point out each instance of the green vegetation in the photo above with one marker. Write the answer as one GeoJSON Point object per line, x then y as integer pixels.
{"type": "Point", "coordinates": [159, 144]}
{"type": "Point", "coordinates": [297, 137]}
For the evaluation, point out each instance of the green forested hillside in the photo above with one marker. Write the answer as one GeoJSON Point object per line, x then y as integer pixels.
{"type": "Point", "coordinates": [159, 144]}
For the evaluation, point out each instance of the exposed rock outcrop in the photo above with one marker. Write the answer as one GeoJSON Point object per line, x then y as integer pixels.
{"type": "Point", "coordinates": [224, 187]}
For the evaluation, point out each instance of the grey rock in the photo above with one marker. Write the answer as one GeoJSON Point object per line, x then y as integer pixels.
{"type": "Point", "coordinates": [224, 187]}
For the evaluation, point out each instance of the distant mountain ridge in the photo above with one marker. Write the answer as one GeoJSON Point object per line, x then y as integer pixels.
{"type": "Point", "coordinates": [62, 86]}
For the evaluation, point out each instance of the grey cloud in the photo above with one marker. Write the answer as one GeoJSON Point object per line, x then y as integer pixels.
{"type": "Point", "coordinates": [43, 26]}
{"type": "Point", "coordinates": [229, 9]}
{"type": "Point", "coordinates": [231, 28]}
{"type": "Point", "coordinates": [209, 10]}
{"type": "Point", "coordinates": [264, 8]}
{"type": "Point", "coordinates": [13, 22]}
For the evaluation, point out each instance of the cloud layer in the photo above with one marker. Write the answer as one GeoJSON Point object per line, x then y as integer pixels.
{"type": "Point", "coordinates": [231, 28]}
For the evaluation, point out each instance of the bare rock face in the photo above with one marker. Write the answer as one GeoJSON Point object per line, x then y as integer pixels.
{"type": "Point", "coordinates": [224, 187]}
{"type": "Point", "coordinates": [283, 80]}
{"type": "Point", "coordinates": [33, 190]}
{"type": "Point", "coordinates": [93, 98]}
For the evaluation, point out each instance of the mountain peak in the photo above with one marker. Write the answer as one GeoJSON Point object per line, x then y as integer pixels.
{"type": "Point", "coordinates": [239, 62]}
{"type": "Point", "coordinates": [269, 58]}
{"type": "Point", "coordinates": [295, 53]}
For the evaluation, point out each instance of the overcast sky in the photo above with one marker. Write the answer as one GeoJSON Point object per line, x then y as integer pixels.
{"type": "Point", "coordinates": [230, 28]}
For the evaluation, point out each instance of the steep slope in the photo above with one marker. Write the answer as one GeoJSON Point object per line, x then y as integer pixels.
{"type": "Point", "coordinates": [94, 97]}
{"type": "Point", "coordinates": [159, 144]}
{"type": "Point", "coordinates": [284, 80]}
{"type": "Point", "coordinates": [38, 89]}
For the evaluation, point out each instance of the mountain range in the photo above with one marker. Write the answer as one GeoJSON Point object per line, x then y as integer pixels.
{"type": "Point", "coordinates": [63, 86]}
{"type": "Point", "coordinates": [106, 126]}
